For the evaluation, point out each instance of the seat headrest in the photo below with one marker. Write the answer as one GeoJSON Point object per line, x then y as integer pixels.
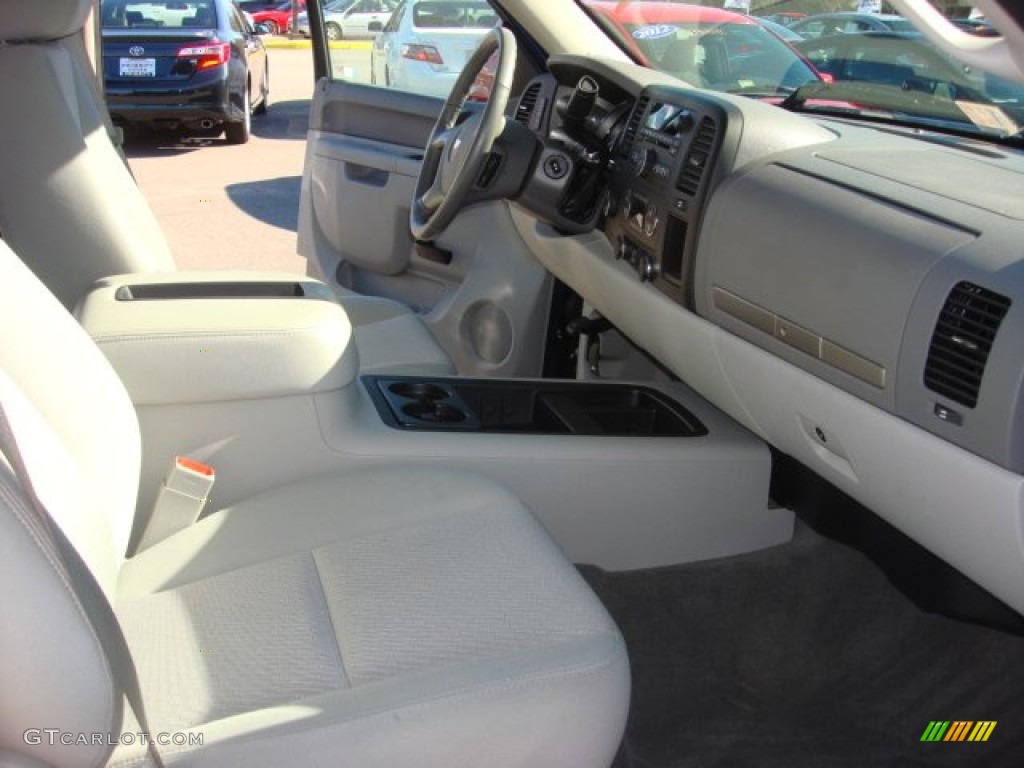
{"type": "Point", "coordinates": [50, 20]}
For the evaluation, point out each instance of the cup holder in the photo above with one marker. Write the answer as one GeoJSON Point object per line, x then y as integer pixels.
{"type": "Point", "coordinates": [418, 404]}
{"type": "Point", "coordinates": [418, 390]}
{"type": "Point", "coordinates": [434, 412]}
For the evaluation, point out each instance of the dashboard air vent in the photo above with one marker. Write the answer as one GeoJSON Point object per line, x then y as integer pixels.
{"type": "Point", "coordinates": [634, 122]}
{"type": "Point", "coordinates": [962, 341]}
{"type": "Point", "coordinates": [697, 157]}
{"type": "Point", "coordinates": [527, 103]}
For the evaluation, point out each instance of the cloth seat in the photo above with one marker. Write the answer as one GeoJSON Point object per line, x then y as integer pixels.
{"type": "Point", "coordinates": [389, 617]}
{"type": "Point", "coordinates": [74, 213]}
{"type": "Point", "coordinates": [403, 617]}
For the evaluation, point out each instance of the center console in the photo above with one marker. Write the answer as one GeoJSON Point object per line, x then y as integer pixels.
{"type": "Point", "coordinates": [622, 475]}
{"type": "Point", "coordinates": [258, 377]}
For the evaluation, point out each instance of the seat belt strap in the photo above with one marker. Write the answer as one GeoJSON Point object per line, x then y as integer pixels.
{"type": "Point", "coordinates": [87, 590]}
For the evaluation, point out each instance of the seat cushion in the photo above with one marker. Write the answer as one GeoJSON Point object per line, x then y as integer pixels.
{"type": "Point", "coordinates": [393, 617]}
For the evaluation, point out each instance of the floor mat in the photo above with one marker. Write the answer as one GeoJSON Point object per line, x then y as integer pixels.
{"type": "Point", "coordinates": [804, 655]}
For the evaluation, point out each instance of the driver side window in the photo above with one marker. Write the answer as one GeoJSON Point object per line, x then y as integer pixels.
{"type": "Point", "coordinates": [419, 46]}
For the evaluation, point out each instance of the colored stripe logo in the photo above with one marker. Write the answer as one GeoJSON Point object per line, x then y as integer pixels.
{"type": "Point", "coordinates": [959, 730]}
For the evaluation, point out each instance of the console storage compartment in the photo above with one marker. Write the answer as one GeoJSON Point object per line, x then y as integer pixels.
{"type": "Point", "coordinates": [226, 288]}
{"type": "Point", "coordinates": [533, 407]}
{"type": "Point", "coordinates": [204, 337]}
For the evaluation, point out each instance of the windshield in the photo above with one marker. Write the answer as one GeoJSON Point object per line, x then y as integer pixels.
{"type": "Point", "coordinates": [706, 47]}
{"type": "Point", "coordinates": [907, 76]}
{"type": "Point", "coordinates": [872, 65]}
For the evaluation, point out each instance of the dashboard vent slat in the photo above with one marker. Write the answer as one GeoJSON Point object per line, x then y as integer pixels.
{"type": "Point", "coordinates": [635, 120]}
{"type": "Point", "coordinates": [962, 341]}
{"type": "Point", "coordinates": [698, 157]}
{"type": "Point", "coordinates": [527, 104]}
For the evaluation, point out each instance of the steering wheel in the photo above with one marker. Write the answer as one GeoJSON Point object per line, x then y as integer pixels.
{"type": "Point", "coordinates": [459, 144]}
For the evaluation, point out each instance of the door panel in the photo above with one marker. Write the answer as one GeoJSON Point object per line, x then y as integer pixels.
{"type": "Point", "coordinates": [477, 287]}
{"type": "Point", "coordinates": [364, 157]}
{"type": "Point", "coordinates": [368, 229]}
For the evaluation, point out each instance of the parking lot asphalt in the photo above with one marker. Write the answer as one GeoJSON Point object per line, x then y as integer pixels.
{"type": "Point", "coordinates": [234, 207]}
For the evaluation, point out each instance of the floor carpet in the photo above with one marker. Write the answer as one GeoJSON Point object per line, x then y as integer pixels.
{"type": "Point", "coordinates": [804, 655]}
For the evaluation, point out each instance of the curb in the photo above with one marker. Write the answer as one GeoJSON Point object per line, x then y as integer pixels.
{"type": "Point", "coordinates": [270, 41]}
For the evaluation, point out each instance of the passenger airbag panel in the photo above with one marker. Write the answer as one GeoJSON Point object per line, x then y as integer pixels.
{"type": "Point", "coordinates": [821, 266]}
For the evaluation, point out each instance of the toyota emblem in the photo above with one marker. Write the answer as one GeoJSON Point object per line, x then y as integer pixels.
{"type": "Point", "coordinates": [136, 50]}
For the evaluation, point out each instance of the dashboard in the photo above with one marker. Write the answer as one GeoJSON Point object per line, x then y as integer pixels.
{"type": "Point", "coordinates": [668, 145]}
{"type": "Point", "coordinates": [835, 286]}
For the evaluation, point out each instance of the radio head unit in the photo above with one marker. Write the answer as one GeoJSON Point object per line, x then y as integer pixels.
{"type": "Point", "coordinates": [668, 148]}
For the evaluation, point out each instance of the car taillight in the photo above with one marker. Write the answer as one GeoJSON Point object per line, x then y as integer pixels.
{"type": "Point", "coordinates": [426, 53]}
{"type": "Point", "coordinates": [206, 56]}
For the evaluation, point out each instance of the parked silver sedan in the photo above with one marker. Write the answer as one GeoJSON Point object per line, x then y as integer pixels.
{"type": "Point", "coordinates": [427, 42]}
{"type": "Point", "coordinates": [347, 19]}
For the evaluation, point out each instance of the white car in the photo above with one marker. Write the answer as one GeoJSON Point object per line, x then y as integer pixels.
{"type": "Point", "coordinates": [345, 19]}
{"type": "Point", "coordinates": [425, 45]}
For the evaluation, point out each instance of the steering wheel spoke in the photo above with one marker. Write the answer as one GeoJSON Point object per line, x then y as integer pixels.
{"type": "Point", "coordinates": [440, 140]}
{"type": "Point", "coordinates": [433, 196]}
{"type": "Point", "coordinates": [457, 148]}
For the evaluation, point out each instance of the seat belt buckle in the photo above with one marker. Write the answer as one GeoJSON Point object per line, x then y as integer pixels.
{"type": "Point", "coordinates": [180, 500]}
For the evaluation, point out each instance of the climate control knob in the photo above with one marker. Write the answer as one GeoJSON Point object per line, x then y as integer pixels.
{"type": "Point", "coordinates": [627, 252]}
{"type": "Point", "coordinates": [645, 267]}
{"type": "Point", "coordinates": [633, 208]}
{"type": "Point", "coordinates": [644, 161]}
{"type": "Point", "coordinates": [651, 219]}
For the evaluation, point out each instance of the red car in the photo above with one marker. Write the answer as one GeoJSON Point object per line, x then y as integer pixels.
{"type": "Point", "coordinates": [707, 47]}
{"type": "Point", "coordinates": [278, 18]}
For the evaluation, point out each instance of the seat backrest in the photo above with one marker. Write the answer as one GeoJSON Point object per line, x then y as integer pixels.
{"type": "Point", "coordinates": [204, 17]}
{"type": "Point", "coordinates": [72, 417]}
{"type": "Point", "coordinates": [73, 213]}
{"type": "Point", "coordinates": [79, 438]}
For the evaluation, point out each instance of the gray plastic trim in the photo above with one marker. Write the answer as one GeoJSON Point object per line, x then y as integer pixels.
{"type": "Point", "coordinates": [800, 338]}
